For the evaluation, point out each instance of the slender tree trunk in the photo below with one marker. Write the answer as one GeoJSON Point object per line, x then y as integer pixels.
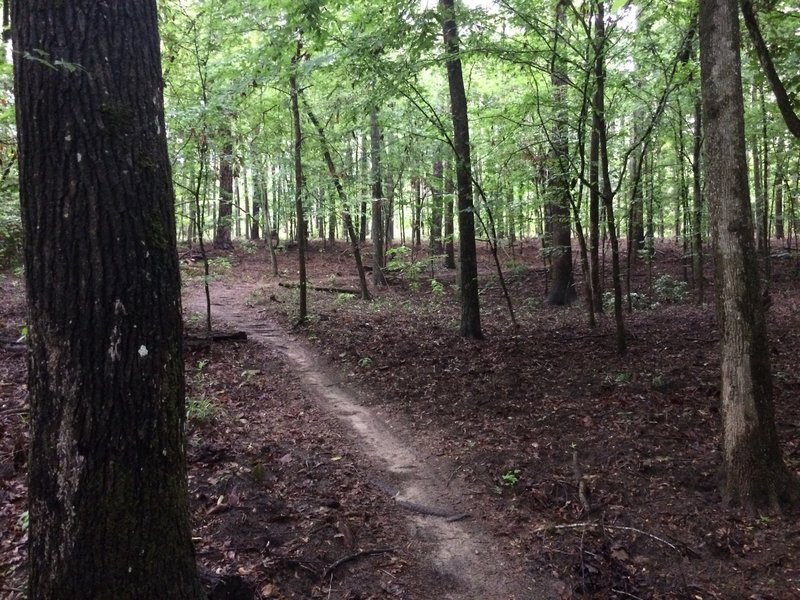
{"type": "Point", "coordinates": [378, 255]}
{"type": "Point", "coordinates": [348, 221]}
{"type": "Point", "coordinates": [435, 248]}
{"type": "Point", "coordinates": [779, 200]}
{"type": "Point", "coordinates": [416, 230]}
{"type": "Point", "coordinates": [108, 501]}
{"type": "Point", "coordinates": [755, 474]}
{"type": "Point", "coordinates": [607, 193]}
{"type": "Point", "coordinates": [468, 256]}
{"type": "Point", "coordinates": [302, 228]}
{"type": "Point", "coordinates": [594, 164]}
{"type": "Point", "coordinates": [697, 205]}
{"type": "Point", "coordinates": [362, 229]}
{"type": "Point", "coordinates": [449, 228]}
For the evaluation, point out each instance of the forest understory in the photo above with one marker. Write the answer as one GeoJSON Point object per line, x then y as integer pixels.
{"type": "Point", "coordinates": [597, 471]}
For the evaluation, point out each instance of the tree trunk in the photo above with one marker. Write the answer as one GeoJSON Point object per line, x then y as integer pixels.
{"type": "Point", "coordinates": [348, 221]}
{"type": "Point", "coordinates": [416, 229]}
{"type": "Point", "coordinates": [449, 227]}
{"type": "Point", "coordinates": [562, 291]}
{"type": "Point", "coordinates": [467, 255]}
{"type": "Point", "coordinates": [222, 235]}
{"type": "Point", "coordinates": [607, 194]}
{"type": "Point", "coordinates": [435, 248]}
{"type": "Point", "coordinates": [755, 474]}
{"type": "Point", "coordinates": [697, 204]}
{"type": "Point", "coordinates": [109, 510]}
{"type": "Point", "coordinates": [378, 255]}
{"type": "Point", "coordinates": [594, 165]}
{"type": "Point", "coordinates": [779, 200]}
{"type": "Point", "coordinates": [302, 227]}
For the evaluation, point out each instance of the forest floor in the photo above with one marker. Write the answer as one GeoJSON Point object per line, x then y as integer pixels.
{"type": "Point", "coordinates": [555, 467]}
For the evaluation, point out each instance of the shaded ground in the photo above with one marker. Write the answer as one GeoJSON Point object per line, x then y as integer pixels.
{"type": "Point", "coordinates": [540, 424]}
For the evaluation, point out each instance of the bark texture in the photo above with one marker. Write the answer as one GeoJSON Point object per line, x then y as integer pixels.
{"type": "Point", "coordinates": [107, 482]}
{"type": "Point", "coordinates": [755, 474]}
{"type": "Point", "coordinates": [467, 252]}
{"type": "Point", "coordinates": [562, 291]}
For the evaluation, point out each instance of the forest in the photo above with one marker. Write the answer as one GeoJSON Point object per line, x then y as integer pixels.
{"type": "Point", "coordinates": [400, 299]}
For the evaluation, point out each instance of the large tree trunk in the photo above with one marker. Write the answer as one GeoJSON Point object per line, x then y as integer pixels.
{"type": "Point", "coordinates": [222, 235]}
{"type": "Point", "coordinates": [562, 290]}
{"type": "Point", "coordinates": [755, 474]}
{"type": "Point", "coordinates": [467, 254]}
{"type": "Point", "coordinates": [109, 513]}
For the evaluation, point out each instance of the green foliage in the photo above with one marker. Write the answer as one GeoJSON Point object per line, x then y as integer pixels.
{"type": "Point", "coordinates": [510, 478]}
{"type": "Point", "coordinates": [400, 262]}
{"type": "Point", "coordinates": [200, 410]}
{"type": "Point", "coordinates": [24, 521]}
{"type": "Point", "coordinates": [437, 288]}
{"type": "Point", "coordinates": [365, 362]}
{"type": "Point", "coordinates": [10, 235]}
{"type": "Point", "coordinates": [667, 289]}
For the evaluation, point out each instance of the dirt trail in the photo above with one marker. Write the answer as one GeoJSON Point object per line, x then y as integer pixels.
{"type": "Point", "coordinates": [475, 562]}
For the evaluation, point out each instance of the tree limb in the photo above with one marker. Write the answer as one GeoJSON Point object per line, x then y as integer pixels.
{"type": "Point", "coordinates": [765, 59]}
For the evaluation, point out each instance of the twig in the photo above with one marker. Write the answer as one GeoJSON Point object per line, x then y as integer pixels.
{"type": "Point", "coordinates": [320, 288]}
{"type": "Point", "coordinates": [13, 411]}
{"type": "Point", "coordinates": [453, 474]}
{"type": "Point", "coordinates": [351, 557]}
{"type": "Point", "coordinates": [625, 594]}
{"type": "Point", "coordinates": [604, 526]}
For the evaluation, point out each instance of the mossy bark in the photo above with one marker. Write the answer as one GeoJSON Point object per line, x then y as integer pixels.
{"type": "Point", "coordinates": [109, 514]}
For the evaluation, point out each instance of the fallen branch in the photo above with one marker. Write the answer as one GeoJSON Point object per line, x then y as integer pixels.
{"type": "Point", "coordinates": [613, 527]}
{"type": "Point", "coordinates": [352, 557]}
{"type": "Point", "coordinates": [319, 288]}
{"type": "Point", "coordinates": [217, 336]}
{"type": "Point", "coordinates": [13, 411]}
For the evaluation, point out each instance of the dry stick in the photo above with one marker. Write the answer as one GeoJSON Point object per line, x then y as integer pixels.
{"type": "Point", "coordinates": [604, 526]}
{"type": "Point", "coordinates": [351, 557]}
{"type": "Point", "coordinates": [320, 288]}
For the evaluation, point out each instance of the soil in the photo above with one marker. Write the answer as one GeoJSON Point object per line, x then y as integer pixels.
{"type": "Point", "coordinates": [373, 453]}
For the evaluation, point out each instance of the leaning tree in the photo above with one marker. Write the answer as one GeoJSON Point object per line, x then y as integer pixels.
{"type": "Point", "coordinates": [108, 500]}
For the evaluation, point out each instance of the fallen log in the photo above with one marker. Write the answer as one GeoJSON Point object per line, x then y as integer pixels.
{"type": "Point", "coordinates": [320, 288]}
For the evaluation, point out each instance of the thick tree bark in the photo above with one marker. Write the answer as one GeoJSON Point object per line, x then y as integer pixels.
{"type": "Point", "coordinates": [755, 474]}
{"type": "Point", "coordinates": [378, 255]}
{"type": "Point", "coordinates": [467, 254]}
{"type": "Point", "coordinates": [562, 290]}
{"type": "Point", "coordinates": [222, 235]}
{"type": "Point", "coordinates": [109, 513]}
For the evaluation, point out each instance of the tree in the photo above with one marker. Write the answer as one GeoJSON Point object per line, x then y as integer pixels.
{"type": "Point", "coordinates": [467, 252]}
{"type": "Point", "coordinates": [107, 483]}
{"type": "Point", "coordinates": [755, 474]}
{"type": "Point", "coordinates": [378, 256]}
{"type": "Point", "coordinates": [563, 290]}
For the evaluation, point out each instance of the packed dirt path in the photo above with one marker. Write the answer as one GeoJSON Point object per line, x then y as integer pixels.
{"type": "Point", "coordinates": [439, 513]}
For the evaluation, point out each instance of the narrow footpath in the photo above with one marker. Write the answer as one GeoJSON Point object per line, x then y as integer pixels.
{"type": "Point", "coordinates": [439, 515]}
